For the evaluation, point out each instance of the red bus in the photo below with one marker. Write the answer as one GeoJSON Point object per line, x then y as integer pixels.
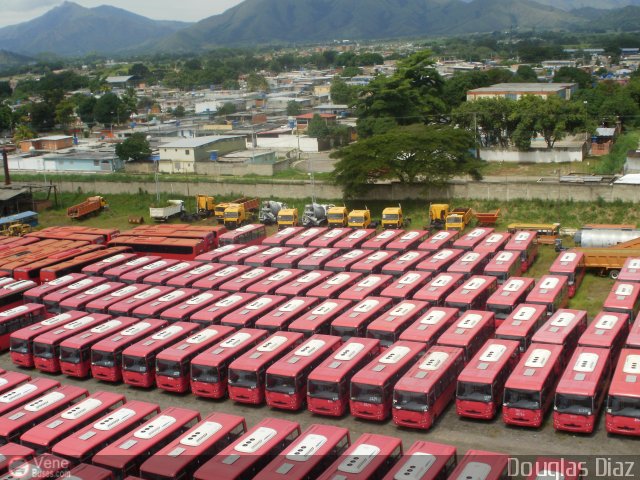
{"type": "Point", "coordinates": [304, 238]}
{"type": "Point", "coordinates": [633, 339]}
{"type": "Point", "coordinates": [438, 288]}
{"type": "Point", "coordinates": [76, 264]}
{"type": "Point", "coordinates": [126, 306]}
{"type": "Point", "coordinates": [25, 392]}
{"type": "Point", "coordinates": [246, 235]}
{"type": "Point", "coordinates": [160, 304]}
{"type": "Point", "coordinates": [164, 275]}
{"type": "Point", "coordinates": [208, 377]}
{"type": "Point", "coordinates": [439, 261]}
{"type": "Point", "coordinates": [37, 294]}
{"type": "Point", "coordinates": [43, 466]}
{"type": "Point", "coordinates": [286, 379]}
{"type": "Point", "coordinates": [32, 270]}
{"type": "Point", "coordinates": [630, 271]}
{"type": "Point", "coordinates": [106, 355]}
{"type": "Point", "coordinates": [389, 325]}
{"type": "Point", "coordinates": [46, 346]}
{"type": "Point", "coordinates": [303, 283]}
{"type": "Point", "coordinates": [581, 390]}
{"type": "Point", "coordinates": [472, 239]}
{"type": "Point", "coordinates": [21, 341]}
{"type": "Point", "coordinates": [84, 471]}
{"type": "Point", "coordinates": [214, 280]}
{"type": "Point", "coordinates": [137, 275]}
{"type": "Point", "coordinates": [216, 254]}
{"type": "Point", "coordinates": [319, 319]}
{"type": "Point", "coordinates": [246, 374]}
{"type": "Point", "coordinates": [473, 294]}
{"type": "Point", "coordinates": [404, 263]}
{"type": "Point", "coordinates": [440, 240]}
{"type": "Point", "coordinates": [114, 273]}
{"type": "Point", "coordinates": [355, 239]}
{"type": "Point", "coordinates": [344, 262]}
{"type": "Point", "coordinates": [82, 299]}
{"type": "Point", "coordinates": [11, 292]}
{"type": "Point", "coordinates": [424, 461]}
{"type": "Point", "coordinates": [550, 467]}
{"type": "Point", "coordinates": [522, 323]}
{"type": "Point", "coordinates": [469, 332]}
{"type": "Point", "coordinates": [251, 452]}
{"type": "Point", "coordinates": [508, 296]}
{"type": "Point", "coordinates": [328, 384]}
{"type": "Point", "coordinates": [182, 311]}
{"type": "Point", "coordinates": [240, 283]}
{"type": "Point", "coordinates": [44, 435]}
{"type": "Point", "coordinates": [312, 452]}
{"type": "Point", "coordinates": [551, 291]}
{"type": "Point", "coordinates": [353, 322]}
{"type": "Point", "coordinates": [319, 258]}
{"type": "Point", "coordinates": [406, 286]}
{"type": "Point", "coordinates": [75, 352]}
{"type": "Point", "coordinates": [187, 279]}
{"type": "Point", "coordinates": [606, 330]}
{"type": "Point", "coordinates": [11, 452]}
{"type": "Point", "coordinates": [428, 328]}
{"type": "Point", "coordinates": [371, 456]}
{"type": "Point", "coordinates": [279, 238]}
{"type": "Point", "coordinates": [139, 359]}
{"type": "Point", "coordinates": [424, 392]}
{"type": "Point", "coordinates": [528, 393]}
{"type": "Point", "coordinates": [172, 365]}
{"type": "Point", "coordinates": [563, 328]}
{"type": "Point", "coordinates": [329, 238]}
{"type": "Point", "coordinates": [493, 243]}
{"type": "Point", "coordinates": [264, 257]}
{"type": "Point", "coordinates": [269, 285]}
{"type": "Point", "coordinates": [16, 422]}
{"type": "Point", "coordinates": [407, 241]}
{"type": "Point", "coordinates": [292, 258]}
{"type": "Point", "coordinates": [14, 319]}
{"type": "Point", "coordinates": [374, 262]}
{"type": "Point", "coordinates": [371, 391]}
{"type": "Point", "coordinates": [165, 247]}
{"type": "Point", "coordinates": [471, 263]}
{"type": "Point", "coordinates": [217, 311]}
{"type": "Point", "coordinates": [247, 315]}
{"type": "Point", "coordinates": [99, 268]}
{"type": "Point", "coordinates": [623, 401]}
{"type": "Point", "coordinates": [524, 242]}
{"type": "Point", "coordinates": [237, 257]}
{"type": "Point", "coordinates": [503, 266]}
{"type": "Point", "coordinates": [333, 286]}
{"type": "Point", "coordinates": [623, 298]}
{"type": "Point", "coordinates": [83, 444]}
{"type": "Point", "coordinates": [480, 385]}
{"type": "Point", "coordinates": [279, 318]}
{"type": "Point", "coordinates": [482, 465]}
{"type": "Point", "coordinates": [103, 304]}
{"type": "Point", "coordinates": [9, 380]}
{"type": "Point", "coordinates": [183, 455]}
{"type": "Point", "coordinates": [571, 264]}
{"type": "Point", "coordinates": [368, 286]}
{"type": "Point", "coordinates": [381, 240]}
{"type": "Point", "coordinates": [125, 455]}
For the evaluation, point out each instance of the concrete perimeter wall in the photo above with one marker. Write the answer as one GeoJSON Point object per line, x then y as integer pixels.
{"type": "Point", "coordinates": [502, 189]}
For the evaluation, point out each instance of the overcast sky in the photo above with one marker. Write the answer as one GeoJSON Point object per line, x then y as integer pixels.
{"type": "Point", "coordinates": [16, 11]}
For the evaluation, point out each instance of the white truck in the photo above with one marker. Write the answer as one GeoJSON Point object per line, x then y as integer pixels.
{"type": "Point", "coordinates": [172, 209]}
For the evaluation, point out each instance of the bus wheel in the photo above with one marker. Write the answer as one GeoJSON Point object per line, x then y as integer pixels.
{"type": "Point", "coordinates": [613, 274]}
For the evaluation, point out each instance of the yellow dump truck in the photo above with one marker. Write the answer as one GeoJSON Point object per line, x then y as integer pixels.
{"type": "Point", "coordinates": [458, 219]}
{"type": "Point", "coordinates": [359, 218]}
{"type": "Point", "coordinates": [337, 217]}
{"type": "Point", "coordinates": [287, 217]}
{"type": "Point", "coordinates": [238, 214]}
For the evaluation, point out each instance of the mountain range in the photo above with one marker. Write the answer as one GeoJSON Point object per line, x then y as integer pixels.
{"type": "Point", "coordinates": [73, 30]}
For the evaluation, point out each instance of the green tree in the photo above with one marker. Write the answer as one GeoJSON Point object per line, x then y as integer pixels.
{"type": "Point", "coordinates": [351, 71]}
{"type": "Point", "coordinates": [317, 127]}
{"type": "Point", "coordinates": [573, 75]}
{"type": "Point", "coordinates": [86, 107]}
{"type": "Point", "coordinates": [227, 109]}
{"type": "Point", "coordinates": [179, 111]}
{"type": "Point", "coordinates": [5, 89]}
{"type": "Point", "coordinates": [64, 112]}
{"type": "Point", "coordinates": [43, 116]}
{"type": "Point", "coordinates": [293, 108]}
{"type": "Point", "coordinates": [491, 119]}
{"type": "Point", "coordinates": [427, 155]}
{"type": "Point", "coordinates": [6, 117]}
{"type": "Point", "coordinates": [139, 70]}
{"type": "Point", "coordinates": [257, 83]}
{"type": "Point", "coordinates": [23, 132]}
{"type": "Point", "coordinates": [525, 74]}
{"type": "Point", "coordinates": [136, 148]}
{"type": "Point", "coordinates": [341, 93]}
{"type": "Point", "coordinates": [107, 109]}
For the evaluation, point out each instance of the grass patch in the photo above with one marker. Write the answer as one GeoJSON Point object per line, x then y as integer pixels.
{"type": "Point", "coordinates": [614, 162]}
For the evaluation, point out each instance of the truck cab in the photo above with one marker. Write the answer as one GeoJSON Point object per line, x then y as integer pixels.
{"type": "Point", "coordinates": [234, 215]}
{"type": "Point", "coordinates": [438, 213]}
{"type": "Point", "coordinates": [337, 217]}
{"type": "Point", "coordinates": [359, 219]}
{"type": "Point", "coordinates": [458, 219]}
{"type": "Point", "coordinates": [205, 205]}
{"type": "Point", "coordinates": [392, 217]}
{"type": "Point", "coordinates": [287, 217]}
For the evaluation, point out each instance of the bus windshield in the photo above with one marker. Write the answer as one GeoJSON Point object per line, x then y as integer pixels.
{"type": "Point", "coordinates": [203, 373]}
{"type": "Point", "coordinates": [575, 404]}
{"type": "Point", "coordinates": [19, 345]}
{"type": "Point", "coordinates": [478, 392]}
{"type": "Point", "coordinates": [325, 390]}
{"type": "Point", "coordinates": [69, 355]}
{"type": "Point", "coordinates": [502, 311]}
{"type": "Point", "coordinates": [43, 350]}
{"type": "Point", "coordinates": [169, 368]}
{"type": "Point", "coordinates": [243, 379]}
{"type": "Point", "coordinates": [361, 392]}
{"type": "Point", "coordinates": [624, 406]}
{"type": "Point", "coordinates": [281, 384]}
{"type": "Point", "coordinates": [416, 401]}
{"type": "Point", "coordinates": [386, 338]}
{"type": "Point", "coordinates": [132, 363]}
{"type": "Point", "coordinates": [103, 359]}
{"type": "Point", "coordinates": [527, 399]}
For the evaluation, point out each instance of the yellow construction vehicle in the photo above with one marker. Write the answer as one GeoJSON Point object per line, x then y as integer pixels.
{"type": "Point", "coordinates": [19, 229]}
{"type": "Point", "coordinates": [337, 217]}
{"type": "Point", "coordinates": [287, 217]}
{"type": "Point", "coordinates": [438, 213]}
{"type": "Point", "coordinates": [392, 218]}
{"type": "Point", "coordinates": [359, 218]}
{"type": "Point", "coordinates": [241, 213]}
{"type": "Point", "coordinates": [458, 218]}
{"type": "Point", "coordinates": [205, 205]}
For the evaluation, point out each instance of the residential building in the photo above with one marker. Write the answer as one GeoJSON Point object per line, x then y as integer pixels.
{"type": "Point", "coordinates": [515, 91]}
{"type": "Point", "coordinates": [51, 143]}
{"type": "Point", "coordinates": [180, 156]}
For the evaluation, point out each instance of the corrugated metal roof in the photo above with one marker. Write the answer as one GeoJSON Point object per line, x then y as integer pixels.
{"type": "Point", "coordinates": [198, 141]}
{"type": "Point", "coordinates": [9, 193]}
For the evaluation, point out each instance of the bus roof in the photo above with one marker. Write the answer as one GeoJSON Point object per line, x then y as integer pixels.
{"type": "Point", "coordinates": [222, 350]}
{"type": "Point", "coordinates": [422, 461]}
{"type": "Point", "coordinates": [534, 366]}
{"type": "Point", "coordinates": [585, 371]}
{"type": "Point", "coordinates": [303, 355]}
{"type": "Point", "coordinates": [129, 335]}
{"type": "Point", "coordinates": [429, 368]}
{"type": "Point", "coordinates": [604, 329]}
{"type": "Point", "coordinates": [630, 271]}
{"type": "Point", "coordinates": [626, 378]}
{"type": "Point", "coordinates": [481, 464]}
{"type": "Point", "coordinates": [160, 339]}
{"type": "Point", "coordinates": [97, 333]}
{"type": "Point", "coordinates": [272, 347]}
{"type": "Point", "coordinates": [555, 329]}
{"type": "Point", "coordinates": [349, 354]}
{"type": "Point", "coordinates": [567, 262]}
{"type": "Point", "coordinates": [488, 362]}
{"type": "Point", "coordinates": [195, 343]}
{"type": "Point", "coordinates": [388, 362]}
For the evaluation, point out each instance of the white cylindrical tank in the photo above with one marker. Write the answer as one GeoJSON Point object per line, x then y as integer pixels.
{"type": "Point", "coordinates": [604, 238]}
